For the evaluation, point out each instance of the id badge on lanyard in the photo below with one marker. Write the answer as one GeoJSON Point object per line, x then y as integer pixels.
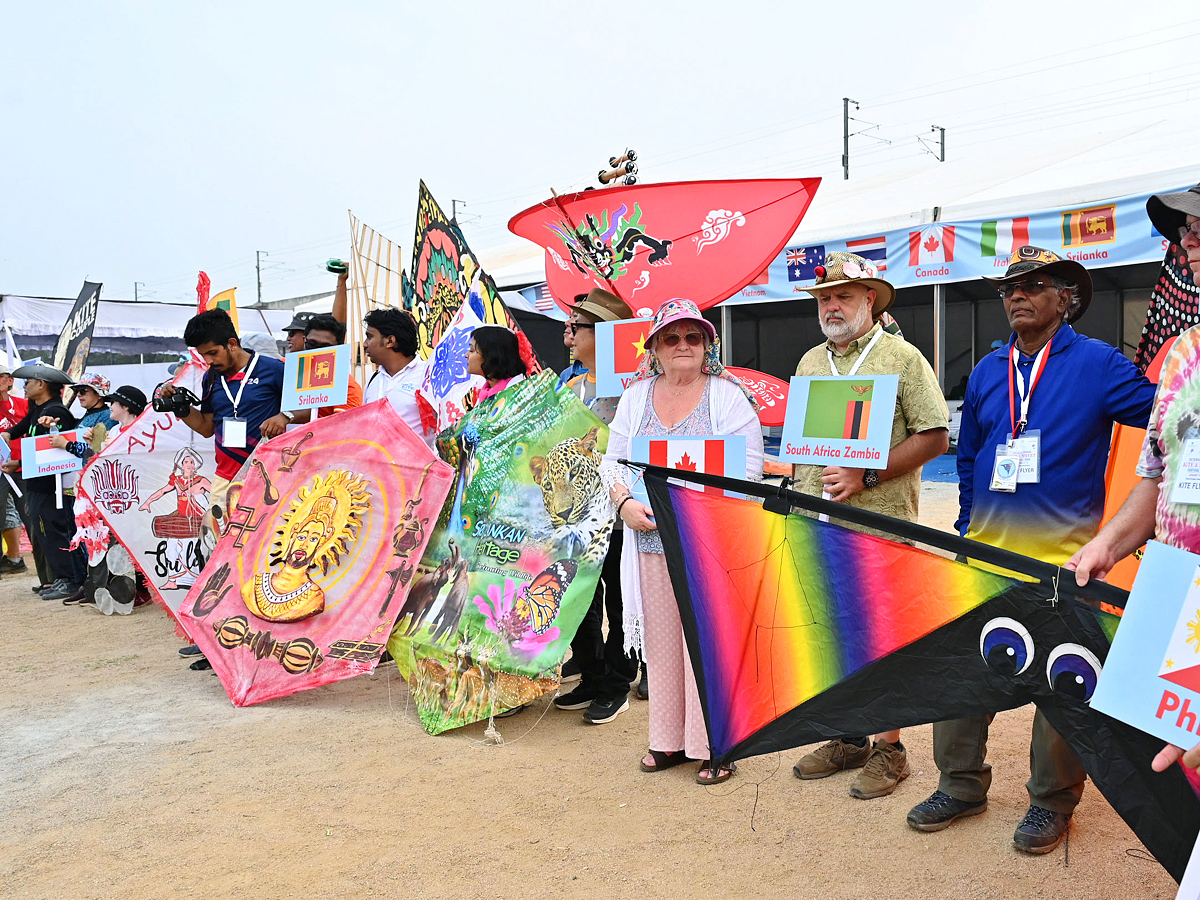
{"type": "Point", "coordinates": [1018, 461]}
{"type": "Point", "coordinates": [1186, 488]}
{"type": "Point", "coordinates": [233, 428]}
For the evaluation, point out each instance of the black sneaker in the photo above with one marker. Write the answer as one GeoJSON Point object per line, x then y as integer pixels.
{"type": "Point", "coordinates": [200, 665]}
{"type": "Point", "coordinates": [7, 565]}
{"type": "Point", "coordinates": [939, 810]}
{"type": "Point", "coordinates": [61, 590]}
{"type": "Point", "coordinates": [1041, 830]}
{"type": "Point", "coordinates": [189, 650]}
{"type": "Point", "coordinates": [605, 709]}
{"type": "Point", "coordinates": [580, 698]}
{"type": "Point", "coordinates": [76, 598]}
{"type": "Point", "coordinates": [570, 671]}
{"type": "Point", "coordinates": [643, 688]}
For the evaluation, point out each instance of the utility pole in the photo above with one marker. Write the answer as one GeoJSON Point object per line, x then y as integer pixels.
{"type": "Point", "coordinates": [454, 205]}
{"type": "Point", "coordinates": [135, 287]}
{"type": "Point", "coordinates": [258, 255]}
{"type": "Point", "coordinates": [942, 150]}
{"type": "Point", "coordinates": [846, 101]}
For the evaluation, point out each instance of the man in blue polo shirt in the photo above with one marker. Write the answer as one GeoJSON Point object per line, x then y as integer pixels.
{"type": "Point", "coordinates": [1036, 426]}
{"type": "Point", "coordinates": [241, 390]}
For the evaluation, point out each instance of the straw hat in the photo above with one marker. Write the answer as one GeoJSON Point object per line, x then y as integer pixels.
{"type": "Point", "coordinates": [849, 268]}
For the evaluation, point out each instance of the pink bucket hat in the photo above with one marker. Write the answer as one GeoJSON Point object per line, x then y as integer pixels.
{"type": "Point", "coordinates": [673, 311]}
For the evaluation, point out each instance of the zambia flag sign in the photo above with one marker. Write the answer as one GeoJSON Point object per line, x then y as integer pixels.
{"type": "Point", "coordinates": [829, 420]}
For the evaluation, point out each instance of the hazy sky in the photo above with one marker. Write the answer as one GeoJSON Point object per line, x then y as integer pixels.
{"type": "Point", "coordinates": [145, 141]}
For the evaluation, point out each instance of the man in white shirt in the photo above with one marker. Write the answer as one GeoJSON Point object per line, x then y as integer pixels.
{"type": "Point", "coordinates": [391, 343]}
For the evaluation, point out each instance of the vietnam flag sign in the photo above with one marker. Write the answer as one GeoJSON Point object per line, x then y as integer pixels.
{"type": "Point", "coordinates": [704, 240]}
{"type": "Point", "coordinates": [620, 347]}
{"type": "Point", "coordinates": [708, 453]}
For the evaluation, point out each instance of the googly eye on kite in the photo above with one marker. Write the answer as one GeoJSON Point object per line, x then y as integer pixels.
{"type": "Point", "coordinates": [1073, 671]}
{"type": "Point", "coordinates": [1006, 646]}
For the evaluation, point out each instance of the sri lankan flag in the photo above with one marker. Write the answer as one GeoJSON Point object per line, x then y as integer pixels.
{"type": "Point", "coordinates": [316, 370]}
{"type": "Point", "coordinates": [1093, 225]}
{"type": "Point", "coordinates": [838, 409]}
{"type": "Point", "coordinates": [225, 301]}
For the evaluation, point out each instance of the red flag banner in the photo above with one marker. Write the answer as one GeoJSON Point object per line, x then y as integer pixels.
{"type": "Point", "coordinates": [703, 240]}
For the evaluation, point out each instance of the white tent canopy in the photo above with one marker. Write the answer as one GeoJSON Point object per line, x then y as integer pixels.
{"type": "Point", "coordinates": [1061, 171]}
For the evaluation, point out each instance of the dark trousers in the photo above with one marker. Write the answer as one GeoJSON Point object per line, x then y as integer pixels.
{"type": "Point", "coordinates": [55, 529]}
{"type": "Point", "coordinates": [39, 557]}
{"type": "Point", "coordinates": [603, 663]}
{"type": "Point", "coordinates": [1056, 776]}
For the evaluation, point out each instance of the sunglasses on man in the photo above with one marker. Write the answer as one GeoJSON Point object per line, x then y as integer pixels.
{"type": "Point", "coordinates": [1027, 287]}
{"type": "Point", "coordinates": [575, 326]}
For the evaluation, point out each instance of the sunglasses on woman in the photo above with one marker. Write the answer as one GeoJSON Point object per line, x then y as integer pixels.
{"type": "Point", "coordinates": [671, 338]}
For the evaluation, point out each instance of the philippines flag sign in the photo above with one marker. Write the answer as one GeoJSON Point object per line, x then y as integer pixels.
{"type": "Point", "coordinates": [872, 248]}
{"type": "Point", "coordinates": [802, 262]}
{"type": "Point", "coordinates": [1002, 236]}
{"type": "Point", "coordinates": [932, 244]}
{"type": "Point", "coordinates": [38, 458]}
{"type": "Point", "coordinates": [1181, 661]}
{"type": "Point", "coordinates": [708, 453]}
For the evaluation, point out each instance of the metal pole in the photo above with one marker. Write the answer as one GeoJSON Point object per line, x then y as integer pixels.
{"type": "Point", "coordinates": [846, 101]}
{"type": "Point", "coordinates": [942, 157]}
{"type": "Point", "coordinates": [726, 336]}
{"type": "Point", "coordinates": [939, 335]}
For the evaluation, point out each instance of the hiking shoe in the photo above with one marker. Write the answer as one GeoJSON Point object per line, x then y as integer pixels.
{"type": "Point", "coordinates": [830, 758]}
{"type": "Point", "coordinates": [643, 688]}
{"type": "Point", "coordinates": [61, 590]}
{"type": "Point", "coordinates": [7, 565]}
{"type": "Point", "coordinates": [570, 671]}
{"type": "Point", "coordinates": [939, 810]}
{"type": "Point", "coordinates": [580, 698]}
{"type": "Point", "coordinates": [76, 598]}
{"type": "Point", "coordinates": [604, 709]}
{"type": "Point", "coordinates": [1041, 830]}
{"type": "Point", "coordinates": [886, 767]}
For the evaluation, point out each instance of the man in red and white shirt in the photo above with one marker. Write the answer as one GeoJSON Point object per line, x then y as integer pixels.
{"type": "Point", "coordinates": [12, 411]}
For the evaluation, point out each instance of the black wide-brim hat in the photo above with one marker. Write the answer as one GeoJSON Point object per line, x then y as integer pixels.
{"type": "Point", "coordinates": [1168, 212]}
{"type": "Point", "coordinates": [130, 397]}
{"type": "Point", "coordinates": [1028, 260]}
{"type": "Point", "coordinates": [43, 372]}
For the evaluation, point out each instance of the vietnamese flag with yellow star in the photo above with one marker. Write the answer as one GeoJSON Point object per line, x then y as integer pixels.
{"type": "Point", "coordinates": [620, 347]}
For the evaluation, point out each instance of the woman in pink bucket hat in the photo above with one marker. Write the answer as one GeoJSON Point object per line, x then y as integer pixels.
{"type": "Point", "coordinates": [681, 390]}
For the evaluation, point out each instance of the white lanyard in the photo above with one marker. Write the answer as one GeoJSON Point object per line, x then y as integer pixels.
{"type": "Point", "coordinates": [1034, 374]}
{"type": "Point", "coordinates": [238, 399]}
{"type": "Point", "coordinates": [861, 357]}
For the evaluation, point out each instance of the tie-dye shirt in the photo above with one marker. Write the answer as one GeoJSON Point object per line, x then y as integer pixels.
{"type": "Point", "coordinates": [1175, 419]}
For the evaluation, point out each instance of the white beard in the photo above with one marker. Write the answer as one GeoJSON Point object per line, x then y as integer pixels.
{"type": "Point", "coordinates": [843, 331]}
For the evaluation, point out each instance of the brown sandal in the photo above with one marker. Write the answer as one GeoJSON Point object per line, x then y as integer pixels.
{"type": "Point", "coordinates": [664, 760]}
{"type": "Point", "coordinates": [719, 774]}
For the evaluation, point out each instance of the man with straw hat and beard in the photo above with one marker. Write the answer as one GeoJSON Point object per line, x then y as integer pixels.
{"type": "Point", "coordinates": [851, 298]}
{"type": "Point", "coordinates": [606, 670]}
{"type": "Point", "coordinates": [1036, 427]}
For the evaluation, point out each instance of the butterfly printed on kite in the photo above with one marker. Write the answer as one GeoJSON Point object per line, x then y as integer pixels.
{"type": "Point", "coordinates": [539, 601]}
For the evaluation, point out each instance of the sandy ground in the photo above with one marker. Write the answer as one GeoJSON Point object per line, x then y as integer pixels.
{"type": "Point", "coordinates": [126, 775]}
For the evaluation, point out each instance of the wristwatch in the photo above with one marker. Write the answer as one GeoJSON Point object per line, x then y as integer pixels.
{"type": "Point", "coordinates": [291, 416]}
{"type": "Point", "coordinates": [870, 478]}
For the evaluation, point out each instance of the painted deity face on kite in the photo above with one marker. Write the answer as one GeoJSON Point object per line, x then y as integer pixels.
{"type": "Point", "coordinates": [304, 545]}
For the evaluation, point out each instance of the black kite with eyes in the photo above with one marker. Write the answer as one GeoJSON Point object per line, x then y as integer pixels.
{"type": "Point", "coordinates": [801, 630]}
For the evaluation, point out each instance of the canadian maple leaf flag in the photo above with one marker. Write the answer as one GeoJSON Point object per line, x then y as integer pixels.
{"type": "Point", "coordinates": [690, 455]}
{"type": "Point", "coordinates": [932, 244]}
